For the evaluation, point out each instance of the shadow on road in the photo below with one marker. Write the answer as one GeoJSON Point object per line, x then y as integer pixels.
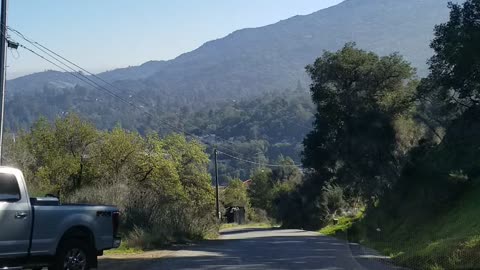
{"type": "Point", "coordinates": [275, 249]}
{"type": "Point", "coordinates": [245, 230]}
{"type": "Point", "coordinates": [126, 264]}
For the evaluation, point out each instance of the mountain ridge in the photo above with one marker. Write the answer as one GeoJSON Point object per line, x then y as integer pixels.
{"type": "Point", "coordinates": [251, 61]}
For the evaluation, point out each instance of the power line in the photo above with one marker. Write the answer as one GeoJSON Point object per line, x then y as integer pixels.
{"type": "Point", "coordinates": [55, 64]}
{"type": "Point", "coordinates": [97, 86]}
{"type": "Point", "coordinates": [258, 163]}
{"type": "Point", "coordinates": [60, 58]}
{"type": "Point", "coordinates": [44, 49]}
{"type": "Point", "coordinates": [94, 84]}
{"type": "Point", "coordinates": [56, 56]}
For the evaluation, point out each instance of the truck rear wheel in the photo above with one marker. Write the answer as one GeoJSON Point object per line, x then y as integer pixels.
{"type": "Point", "coordinates": [73, 255]}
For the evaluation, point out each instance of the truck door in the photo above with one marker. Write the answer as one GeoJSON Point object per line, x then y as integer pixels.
{"type": "Point", "coordinates": [15, 217]}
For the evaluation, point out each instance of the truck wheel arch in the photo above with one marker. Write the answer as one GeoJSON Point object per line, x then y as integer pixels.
{"type": "Point", "coordinates": [80, 233]}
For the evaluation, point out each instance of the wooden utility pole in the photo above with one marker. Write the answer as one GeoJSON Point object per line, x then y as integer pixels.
{"type": "Point", "coordinates": [217, 204]}
{"type": "Point", "coordinates": [3, 64]}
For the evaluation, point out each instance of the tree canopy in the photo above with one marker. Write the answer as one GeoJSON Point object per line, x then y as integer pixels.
{"type": "Point", "coordinates": [455, 67]}
{"type": "Point", "coordinates": [358, 96]}
{"type": "Point", "coordinates": [157, 182]}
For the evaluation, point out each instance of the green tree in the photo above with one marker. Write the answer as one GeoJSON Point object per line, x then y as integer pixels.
{"type": "Point", "coordinates": [332, 200]}
{"type": "Point", "coordinates": [451, 100]}
{"type": "Point", "coordinates": [192, 165]}
{"type": "Point", "coordinates": [455, 67]}
{"type": "Point", "coordinates": [156, 171]}
{"type": "Point", "coordinates": [287, 172]}
{"type": "Point", "coordinates": [161, 185]}
{"type": "Point", "coordinates": [452, 87]}
{"type": "Point", "coordinates": [261, 191]}
{"type": "Point", "coordinates": [117, 153]}
{"type": "Point", "coordinates": [358, 95]}
{"type": "Point", "coordinates": [268, 184]}
{"type": "Point", "coordinates": [75, 138]}
{"type": "Point", "coordinates": [17, 154]}
{"type": "Point", "coordinates": [59, 154]}
{"type": "Point", "coordinates": [235, 194]}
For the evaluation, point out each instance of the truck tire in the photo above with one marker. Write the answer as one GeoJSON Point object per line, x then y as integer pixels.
{"type": "Point", "coordinates": [72, 254]}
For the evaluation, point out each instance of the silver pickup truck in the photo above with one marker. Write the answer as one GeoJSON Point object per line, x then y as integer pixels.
{"type": "Point", "coordinates": [40, 232]}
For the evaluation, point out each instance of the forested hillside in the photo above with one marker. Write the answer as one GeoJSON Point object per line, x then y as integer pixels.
{"type": "Point", "coordinates": [262, 129]}
{"type": "Point", "coordinates": [232, 91]}
{"type": "Point", "coordinates": [250, 62]}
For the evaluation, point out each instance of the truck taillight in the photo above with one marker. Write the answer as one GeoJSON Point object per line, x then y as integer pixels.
{"type": "Point", "coordinates": [115, 222]}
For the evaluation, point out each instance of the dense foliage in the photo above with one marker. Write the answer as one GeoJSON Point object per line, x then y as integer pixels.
{"type": "Point", "coordinates": [358, 97]}
{"type": "Point", "coordinates": [362, 131]}
{"type": "Point", "coordinates": [402, 154]}
{"type": "Point", "coordinates": [161, 185]}
{"type": "Point", "coordinates": [426, 219]}
{"type": "Point", "coordinates": [235, 194]}
{"type": "Point", "coordinates": [268, 184]}
{"type": "Point", "coordinates": [260, 129]}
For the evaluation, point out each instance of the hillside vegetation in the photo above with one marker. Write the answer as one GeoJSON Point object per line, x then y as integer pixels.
{"type": "Point", "coordinates": [263, 129]}
{"type": "Point", "coordinates": [394, 161]}
{"type": "Point", "coordinates": [246, 63]}
{"type": "Point", "coordinates": [233, 91]}
{"type": "Point", "coordinates": [160, 184]}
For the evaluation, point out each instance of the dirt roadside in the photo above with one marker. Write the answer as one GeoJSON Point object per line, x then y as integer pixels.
{"type": "Point", "coordinates": [132, 261]}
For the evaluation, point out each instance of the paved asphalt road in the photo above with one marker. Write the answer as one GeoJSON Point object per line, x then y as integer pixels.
{"type": "Point", "coordinates": [265, 249]}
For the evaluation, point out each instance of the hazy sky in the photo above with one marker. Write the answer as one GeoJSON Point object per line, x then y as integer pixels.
{"type": "Point", "coordinates": [106, 34]}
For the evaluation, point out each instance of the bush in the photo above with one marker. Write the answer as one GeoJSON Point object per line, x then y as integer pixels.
{"type": "Point", "coordinates": [332, 201]}
{"type": "Point", "coordinates": [258, 215]}
{"type": "Point", "coordinates": [173, 221]}
{"type": "Point", "coordinates": [161, 185]}
{"type": "Point", "coordinates": [110, 195]}
{"type": "Point", "coordinates": [150, 220]}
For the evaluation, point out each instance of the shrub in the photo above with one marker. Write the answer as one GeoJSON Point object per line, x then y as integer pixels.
{"type": "Point", "coordinates": [332, 201]}
{"type": "Point", "coordinates": [149, 219]}
{"type": "Point", "coordinates": [258, 215]}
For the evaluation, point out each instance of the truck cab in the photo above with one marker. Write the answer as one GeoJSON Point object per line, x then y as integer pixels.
{"type": "Point", "coordinates": [38, 232]}
{"type": "Point", "coordinates": [15, 215]}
